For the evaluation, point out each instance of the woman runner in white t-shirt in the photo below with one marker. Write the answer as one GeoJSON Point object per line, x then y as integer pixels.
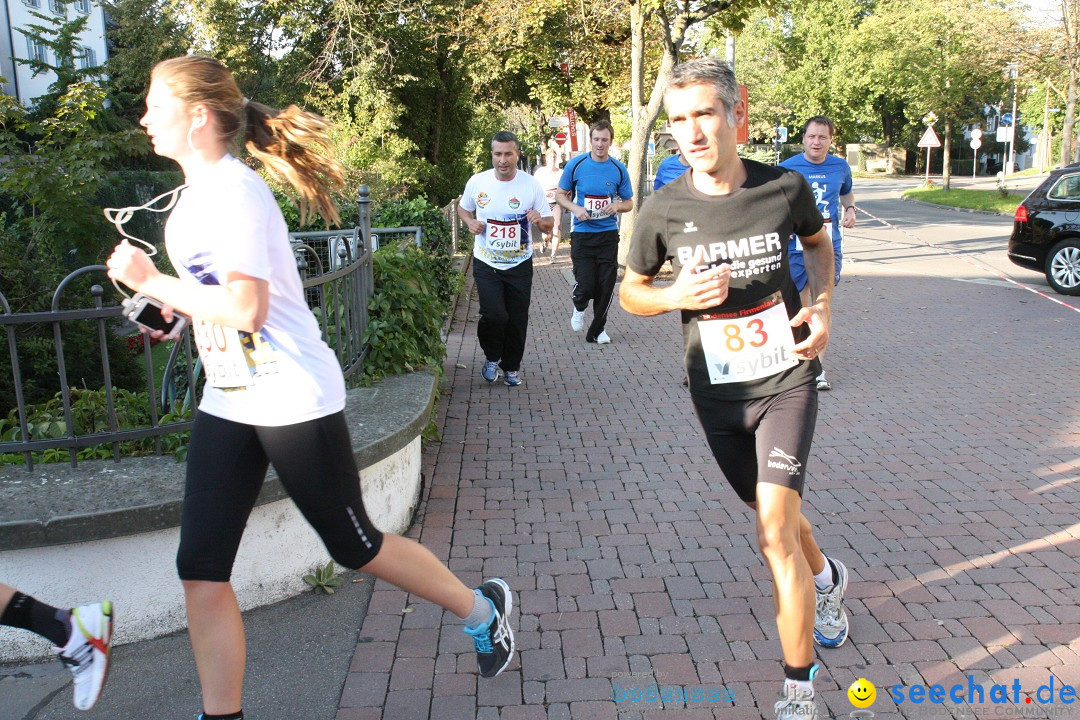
{"type": "Point", "coordinates": [239, 282]}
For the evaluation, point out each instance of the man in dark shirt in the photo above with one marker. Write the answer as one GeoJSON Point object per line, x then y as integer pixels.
{"type": "Point", "coordinates": [751, 346]}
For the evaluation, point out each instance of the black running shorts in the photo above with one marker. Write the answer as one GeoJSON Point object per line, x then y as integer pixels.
{"type": "Point", "coordinates": [761, 440]}
{"type": "Point", "coordinates": [226, 467]}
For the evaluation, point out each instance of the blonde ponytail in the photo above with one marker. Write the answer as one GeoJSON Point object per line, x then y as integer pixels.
{"type": "Point", "coordinates": [293, 145]}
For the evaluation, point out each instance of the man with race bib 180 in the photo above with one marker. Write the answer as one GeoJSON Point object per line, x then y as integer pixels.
{"type": "Point", "coordinates": [830, 179]}
{"type": "Point", "coordinates": [593, 188]}
{"type": "Point", "coordinates": [499, 206]}
{"type": "Point", "coordinates": [750, 345]}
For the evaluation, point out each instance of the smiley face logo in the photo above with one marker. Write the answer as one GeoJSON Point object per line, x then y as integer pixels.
{"type": "Point", "coordinates": [862, 693]}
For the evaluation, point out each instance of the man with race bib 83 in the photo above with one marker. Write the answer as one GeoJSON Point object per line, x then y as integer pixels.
{"type": "Point", "coordinates": [499, 206]}
{"type": "Point", "coordinates": [750, 345]}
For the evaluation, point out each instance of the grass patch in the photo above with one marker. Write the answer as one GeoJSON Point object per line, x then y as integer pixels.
{"type": "Point", "coordinates": [988, 200]}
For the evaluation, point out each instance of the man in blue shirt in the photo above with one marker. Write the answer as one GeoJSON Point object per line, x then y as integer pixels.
{"type": "Point", "coordinates": [592, 189]}
{"type": "Point", "coordinates": [669, 168]}
{"type": "Point", "coordinates": [830, 179]}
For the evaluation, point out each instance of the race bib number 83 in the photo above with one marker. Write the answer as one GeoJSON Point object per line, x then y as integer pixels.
{"type": "Point", "coordinates": [748, 343]}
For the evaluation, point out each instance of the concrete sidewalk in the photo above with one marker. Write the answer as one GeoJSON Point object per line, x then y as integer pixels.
{"type": "Point", "coordinates": [944, 474]}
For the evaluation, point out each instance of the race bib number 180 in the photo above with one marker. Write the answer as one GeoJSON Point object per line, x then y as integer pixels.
{"type": "Point", "coordinates": [595, 204]}
{"type": "Point", "coordinates": [748, 343]}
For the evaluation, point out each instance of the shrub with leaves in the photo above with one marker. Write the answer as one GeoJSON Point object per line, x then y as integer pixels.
{"type": "Point", "coordinates": [90, 414]}
{"type": "Point", "coordinates": [405, 315]}
{"type": "Point", "coordinates": [437, 239]}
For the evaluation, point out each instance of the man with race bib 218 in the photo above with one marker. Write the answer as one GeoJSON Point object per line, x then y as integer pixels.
{"type": "Point", "coordinates": [500, 206]}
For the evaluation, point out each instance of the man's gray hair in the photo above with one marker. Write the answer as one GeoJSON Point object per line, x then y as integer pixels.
{"type": "Point", "coordinates": [711, 71]}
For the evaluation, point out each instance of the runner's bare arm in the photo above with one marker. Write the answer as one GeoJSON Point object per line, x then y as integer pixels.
{"type": "Point", "coordinates": [476, 227]}
{"type": "Point", "coordinates": [563, 198]}
{"type": "Point", "coordinates": [544, 223]}
{"type": "Point", "coordinates": [241, 302]}
{"type": "Point", "coordinates": [819, 260]}
{"type": "Point", "coordinates": [847, 217]}
{"type": "Point", "coordinates": [690, 291]}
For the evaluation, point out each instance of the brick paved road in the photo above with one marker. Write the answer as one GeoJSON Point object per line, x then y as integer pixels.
{"type": "Point", "coordinates": [945, 474]}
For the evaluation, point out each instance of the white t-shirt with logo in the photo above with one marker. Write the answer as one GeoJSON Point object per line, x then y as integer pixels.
{"type": "Point", "coordinates": [228, 221]}
{"type": "Point", "coordinates": [501, 205]}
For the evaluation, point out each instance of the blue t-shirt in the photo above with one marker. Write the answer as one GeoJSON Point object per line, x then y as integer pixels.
{"type": "Point", "coordinates": [670, 168]}
{"type": "Point", "coordinates": [829, 179]}
{"type": "Point", "coordinates": [593, 185]}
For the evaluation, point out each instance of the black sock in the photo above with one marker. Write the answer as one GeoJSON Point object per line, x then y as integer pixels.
{"type": "Point", "coordinates": [238, 715]}
{"type": "Point", "coordinates": [29, 614]}
{"type": "Point", "coordinates": [802, 674]}
{"type": "Point", "coordinates": [835, 572]}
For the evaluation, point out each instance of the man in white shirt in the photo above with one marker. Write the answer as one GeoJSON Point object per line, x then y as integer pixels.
{"type": "Point", "coordinates": [499, 206]}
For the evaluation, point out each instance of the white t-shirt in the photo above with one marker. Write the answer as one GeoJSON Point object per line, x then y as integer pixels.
{"type": "Point", "coordinates": [549, 180]}
{"type": "Point", "coordinates": [228, 221]}
{"type": "Point", "coordinates": [501, 205]}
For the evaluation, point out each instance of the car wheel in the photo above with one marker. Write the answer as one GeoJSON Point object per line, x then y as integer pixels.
{"type": "Point", "coordinates": [1063, 267]}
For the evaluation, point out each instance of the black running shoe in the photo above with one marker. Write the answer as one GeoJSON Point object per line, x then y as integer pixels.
{"type": "Point", "coordinates": [494, 642]}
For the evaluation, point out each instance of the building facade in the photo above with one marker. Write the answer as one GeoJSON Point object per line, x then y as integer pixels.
{"type": "Point", "coordinates": [18, 80]}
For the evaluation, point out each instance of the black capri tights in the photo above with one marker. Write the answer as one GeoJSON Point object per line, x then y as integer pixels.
{"type": "Point", "coordinates": [226, 467]}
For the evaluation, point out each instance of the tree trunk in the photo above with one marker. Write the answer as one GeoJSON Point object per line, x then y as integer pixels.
{"type": "Point", "coordinates": [946, 152]}
{"type": "Point", "coordinates": [644, 113]}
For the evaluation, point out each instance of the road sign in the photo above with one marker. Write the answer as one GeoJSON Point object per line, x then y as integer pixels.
{"type": "Point", "coordinates": [781, 134]}
{"type": "Point", "coordinates": [1004, 133]}
{"type": "Point", "coordinates": [560, 138]}
{"type": "Point", "coordinates": [929, 139]}
{"type": "Point", "coordinates": [975, 143]}
{"type": "Point", "coordinates": [1006, 118]}
{"type": "Point", "coordinates": [652, 148]}
{"type": "Point", "coordinates": [976, 134]}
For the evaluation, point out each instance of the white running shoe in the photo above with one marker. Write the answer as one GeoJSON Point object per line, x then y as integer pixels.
{"type": "Point", "coordinates": [822, 383]}
{"type": "Point", "coordinates": [577, 321]}
{"type": "Point", "coordinates": [830, 618]}
{"type": "Point", "coordinates": [602, 338]}
{"type": "Point", "coordinates": [86, 653]}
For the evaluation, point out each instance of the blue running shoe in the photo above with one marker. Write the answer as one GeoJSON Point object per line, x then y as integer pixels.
{"type": "Point", "coordinates": [830, 619]}
{"type": "Point", "coordinates": [495, 641]}
{"type": "Point", "coordinates": [490, 371]}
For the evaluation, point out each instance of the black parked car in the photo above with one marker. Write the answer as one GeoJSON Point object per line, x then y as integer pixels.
{"type": "Point", "coordinates": [1046, 230]}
